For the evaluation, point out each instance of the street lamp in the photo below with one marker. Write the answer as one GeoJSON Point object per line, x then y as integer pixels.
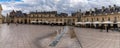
{"type": "Point", "coordinates": [79, 15]}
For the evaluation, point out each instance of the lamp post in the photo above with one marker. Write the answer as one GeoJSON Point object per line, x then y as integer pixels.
{"type": "Point", "coordinates": [79, 15]}
{"type": "Point", "coordinates": [8, 19]}
{"type": "Point", "coordinates": [115, 20]}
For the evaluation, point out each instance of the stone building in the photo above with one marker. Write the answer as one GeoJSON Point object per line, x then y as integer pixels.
{"type": "Point", "coordinates": [50, 17]}
{"type": "Point", "coordinates": [105, 14]}
{"type": "Point", "coordinates": [16, 17]}
{"type": "Point", "coordinates": [110, 14]}
{"type": "Point", "coordinates": [1, 14]}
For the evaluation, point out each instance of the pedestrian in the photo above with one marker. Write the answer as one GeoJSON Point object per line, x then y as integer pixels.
{"type": "Point", "coordinates": [101, 27]}
{"type": "Point", "coordinates": [51, 25]}
{"type": "Point", "coordinates": [16, 24]}
{"type": "Point", "coordinates": [107, 29]}
{"type": "Point", "coordinates": [8, 23]}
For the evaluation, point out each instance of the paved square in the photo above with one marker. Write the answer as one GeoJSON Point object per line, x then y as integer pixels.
{"type": "Point", "coordinates": [27, 36]}
{"type": "Point", "coordinates": [93, 38]}
{"type": "Point", "coordinates": [23, 36]}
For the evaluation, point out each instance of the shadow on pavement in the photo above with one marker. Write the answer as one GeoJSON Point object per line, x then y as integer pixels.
{"type": "Point", "coordinates": [36, 41]}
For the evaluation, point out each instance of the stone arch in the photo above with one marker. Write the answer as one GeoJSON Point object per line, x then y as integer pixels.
{"type": "Point", "coordinates": [21, 21]}
{"type": "Point", "coordinates": [37, 21]}
{"type": "Point", "coordinates": [17, 21]}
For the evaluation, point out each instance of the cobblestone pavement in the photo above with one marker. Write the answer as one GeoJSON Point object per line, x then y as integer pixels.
{"type": "Point", "coordinates": [23, 36]}
{"type": "Point", "coordinates": [93, 38]}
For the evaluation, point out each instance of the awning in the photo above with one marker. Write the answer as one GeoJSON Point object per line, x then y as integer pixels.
{"type": "Point", "coordinates": [97, 22]}
{"type": "Point", "coordinates": [33, 21]}
{"type": "Point", "coordinates": [59, 22]}
{"type": "Point", "coordinates": [118, 22]}
{"type": "Point", "coordinates": [46, 22]}
{"type": "Point", "coordinates": [88, 22]}
{"type": "Point", "coordinates": [79, 23]}
{"type": "Point", "coordinates": [52, 22]}
{"type": "Point", "coordinates": [107, 22]}
{"type": "Point", "coordinates": [39, 21]}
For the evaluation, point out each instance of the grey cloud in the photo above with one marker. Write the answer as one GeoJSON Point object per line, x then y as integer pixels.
{"type": "Point", "coordinates": [67, 6]}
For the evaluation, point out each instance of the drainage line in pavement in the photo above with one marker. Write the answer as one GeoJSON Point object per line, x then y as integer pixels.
{"type": "Point", "coordinates": [58, 37]}
{"type": "Point", "coordinates": [79, 41]}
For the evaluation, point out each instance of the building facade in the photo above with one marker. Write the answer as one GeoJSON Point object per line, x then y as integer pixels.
{"type": "Point", "coordinates": [1, 19]}
{"type": "Point", "coordinates": [50, 17]}
{"type": "Point", "coordinates": [111, 13]}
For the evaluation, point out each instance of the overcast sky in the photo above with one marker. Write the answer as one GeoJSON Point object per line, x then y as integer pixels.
{"type": "Point", "coordinates": [67, 6]}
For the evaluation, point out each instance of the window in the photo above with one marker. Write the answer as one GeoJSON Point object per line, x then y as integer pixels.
{"type": "Point", "coordinates": [31, 15]}
{"type": "Point", "coordinates": [87, 19]}
{"type": "Point", "coordinates": [49, 15]}
{"type": "Point", "coordinates": [39, 15]}
{"type": "Point", "coordinates": [60, 19]}
{"type": "Point", "coordinates": [56, 19]}
{"type": "Point", "coordinates": [64, 20]}
{"type": "Point", "coordinates": [73, 19]}
{"type": "Point", "coordinates": [115, 18]}
{"type": "Point", "coordinates": [97, 19]}
{"type": "Point", "coordinates": [36, 15]}
{"type": "Point", "coordinates": [109, 19]}
{"type": "Point", "coordinates": [102, 19]}
{"type": "Point", "coordinates": [92, 19]}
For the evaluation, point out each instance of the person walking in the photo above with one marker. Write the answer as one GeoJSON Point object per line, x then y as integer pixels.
{"type": "Point", "coordinates": [101, 28]}
{"type": "Point", "coordinates": [107, 29]}
{"type": "Point", "coordinates": [8, 23]}
{"type": "Point", "coordinates": [16, 23]}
